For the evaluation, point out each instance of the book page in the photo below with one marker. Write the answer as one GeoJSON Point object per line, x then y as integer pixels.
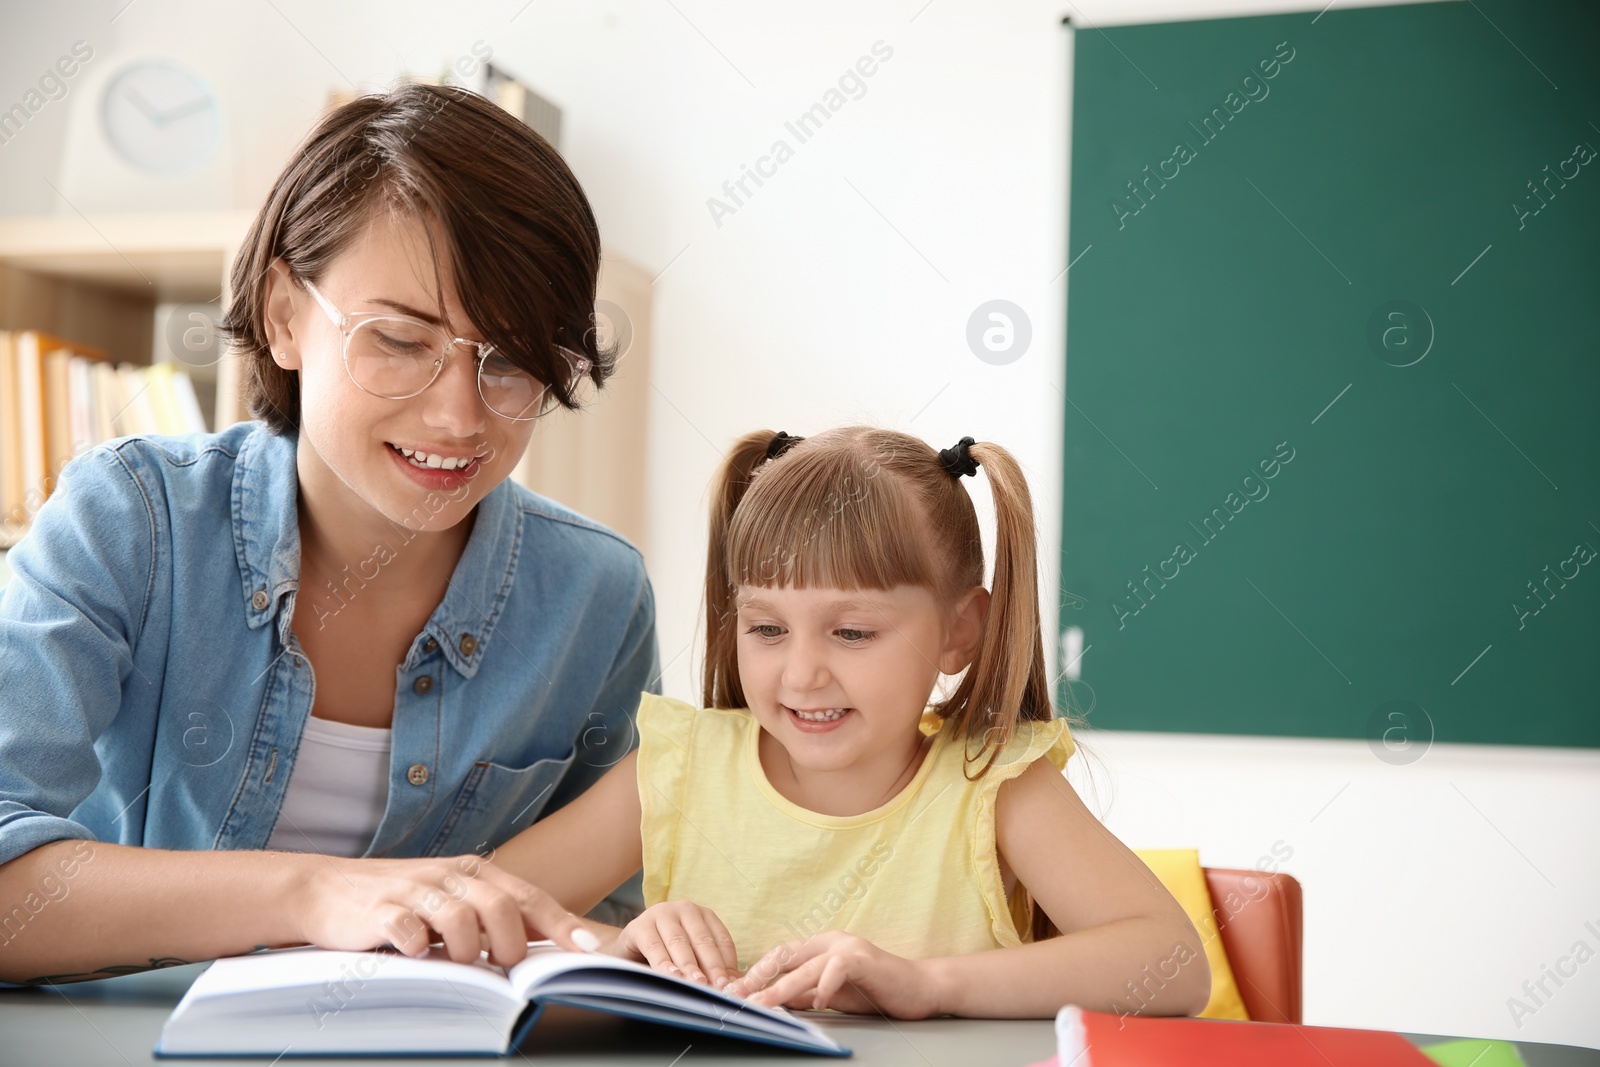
{"type": "Point", "coordinates": [289, 968]}
{"type": "Point", "coordinates": [550, 969]}
{"type": "Point", "coordinates": [545, 959]}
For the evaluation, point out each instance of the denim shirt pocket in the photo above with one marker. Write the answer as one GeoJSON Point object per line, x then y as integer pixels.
{"type": "Point", "coordinates": [495, 800]}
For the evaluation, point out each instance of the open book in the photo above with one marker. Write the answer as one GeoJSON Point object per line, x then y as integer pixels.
{"type": "Point", "coordinates": [315, 1002]}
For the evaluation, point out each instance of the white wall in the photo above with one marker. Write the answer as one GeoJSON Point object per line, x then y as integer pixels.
{"type": "Point", "coordinates": [840, 292]}
{"type": "Point", "coordinates": [1432, 891]}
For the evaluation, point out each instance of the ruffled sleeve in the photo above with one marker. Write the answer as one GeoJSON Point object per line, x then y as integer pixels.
{"type": "Point", "coordinates": [666, 735]}
{"type": "Point", "coordinates": [1030, 742]}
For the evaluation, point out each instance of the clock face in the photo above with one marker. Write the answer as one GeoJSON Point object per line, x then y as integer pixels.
{"type": "Point", "coordinates": [161, 118]}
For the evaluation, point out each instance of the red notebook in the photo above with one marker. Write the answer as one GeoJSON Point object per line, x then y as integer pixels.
{"type": "Point", "coordinates": [1098, 1039]}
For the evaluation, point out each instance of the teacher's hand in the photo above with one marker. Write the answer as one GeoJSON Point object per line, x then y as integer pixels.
{"type": "Point", "coordinates": [359, 904]}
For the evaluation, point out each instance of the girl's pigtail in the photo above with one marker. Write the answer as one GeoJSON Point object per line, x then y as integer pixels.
{"type": "Point", "coordinates": [720, 686]}
{"type": "Point", "coordinates": [1006, 682]}
{"type": "Point", "coordinates": [1011, 685]}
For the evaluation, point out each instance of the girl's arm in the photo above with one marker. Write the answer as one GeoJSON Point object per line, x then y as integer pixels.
{"type": "Point", "coordinates": [591, 846]}
{"type": "Point", "coordinates": [584, 851]}
{"type": "Point", "coordinates": [1127, 945]}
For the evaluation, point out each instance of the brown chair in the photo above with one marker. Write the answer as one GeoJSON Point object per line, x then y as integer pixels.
{"type": "Point", "coordinates": [1259, 918]}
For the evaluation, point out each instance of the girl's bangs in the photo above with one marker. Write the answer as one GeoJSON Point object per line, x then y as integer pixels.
{"type": "Point", "coordinates": [815, 520]}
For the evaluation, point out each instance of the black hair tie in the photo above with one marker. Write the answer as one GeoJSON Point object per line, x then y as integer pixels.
{"type": "Point", "coordinates": [781, 442]}
{"type": "Point", "coordinates": [958, 460]}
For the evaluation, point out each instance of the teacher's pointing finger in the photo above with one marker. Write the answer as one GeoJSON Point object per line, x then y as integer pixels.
{"type": "Point", "coordinates": [542, 915]}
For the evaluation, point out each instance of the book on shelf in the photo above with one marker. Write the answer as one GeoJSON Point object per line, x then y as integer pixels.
{"type": "Point", "coordinates": [318, 1002]}
{"type": "Point", "coordinates": [59, 399]}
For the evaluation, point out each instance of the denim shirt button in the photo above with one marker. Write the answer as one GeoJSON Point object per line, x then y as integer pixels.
{"type": "Point", "coordinates": [423, 686]}
{"type": "Point", "coordinates": [432, 645]}
{"type": "Point", "coordinates": [417, 774]}
{"type": "Point", "coordinates": [469, 645]}
{"type": "Point", "coordinates": [259, 600]}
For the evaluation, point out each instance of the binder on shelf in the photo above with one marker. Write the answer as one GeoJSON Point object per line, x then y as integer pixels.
{"type": "Point", "coordinates": [10, 429]}
{"type": "Point", "coordinates": [34, 421]}
{"type": "Point", "coordinates": [59, 398]}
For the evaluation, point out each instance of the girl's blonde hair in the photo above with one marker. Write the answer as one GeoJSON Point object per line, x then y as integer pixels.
{"type": "Point", "coordinates": [864, 508]}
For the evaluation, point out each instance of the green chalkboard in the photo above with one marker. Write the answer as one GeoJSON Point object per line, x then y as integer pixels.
{"type": "Point", "coordinates": [1332, 403]}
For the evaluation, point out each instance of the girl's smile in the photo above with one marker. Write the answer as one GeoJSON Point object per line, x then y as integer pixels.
{"type": "Point", "coordinates": [839, 680]}
{"type": "Point", "coordinates": [817, 720]}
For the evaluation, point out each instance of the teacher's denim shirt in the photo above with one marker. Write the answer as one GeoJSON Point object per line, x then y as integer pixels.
{"type": "Point", "coordinates": [152, 693]}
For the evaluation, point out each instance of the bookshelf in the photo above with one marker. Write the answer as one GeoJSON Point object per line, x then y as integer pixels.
{"type": "Point", "coordinates": [99, 284]}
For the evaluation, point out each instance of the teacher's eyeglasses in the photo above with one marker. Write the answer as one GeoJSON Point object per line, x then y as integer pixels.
{"type": "Point", "coordinates": [397, 357]}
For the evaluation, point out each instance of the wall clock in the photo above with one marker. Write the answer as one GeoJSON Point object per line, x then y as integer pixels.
{"type": "Point", "coordinates": [161, 117]}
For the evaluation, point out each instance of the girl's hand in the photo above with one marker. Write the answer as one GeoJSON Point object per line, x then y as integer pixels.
{"type": "Point", "coordinates": [683, 939]}
{"type": "Point", "coordinates": [844, 972]}
{"type": "Point", "coordinates": [468, 902]}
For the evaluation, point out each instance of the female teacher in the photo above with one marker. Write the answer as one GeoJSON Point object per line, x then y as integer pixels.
{"type": "Point", "coordinates": [294, 682]}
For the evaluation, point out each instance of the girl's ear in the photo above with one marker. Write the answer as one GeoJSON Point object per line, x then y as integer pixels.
{"type": "Point", "coordinates": [282, 301]}
{"type": "Point", "coordinates": [966, 630]}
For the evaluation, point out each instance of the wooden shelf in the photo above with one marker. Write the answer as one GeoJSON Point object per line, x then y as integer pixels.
{"type": "Point", "coordinates": [157, 257]}
{"type": "Point", "coordinates": [98, 280]}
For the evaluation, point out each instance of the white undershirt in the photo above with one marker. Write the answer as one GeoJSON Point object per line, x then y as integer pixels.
{"type": "Point", "coordinates": [337, 791]}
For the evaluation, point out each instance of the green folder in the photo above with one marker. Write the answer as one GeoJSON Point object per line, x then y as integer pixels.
{"type": "Point", "coordinates": [1474, 1053]}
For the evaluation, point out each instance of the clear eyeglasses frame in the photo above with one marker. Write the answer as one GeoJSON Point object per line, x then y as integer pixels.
{"type": "Point", "coordinates": [396, 357]}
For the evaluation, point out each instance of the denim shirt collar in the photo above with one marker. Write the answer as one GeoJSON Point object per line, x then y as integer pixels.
{"type": "Point", "coordinates": [266, 532]}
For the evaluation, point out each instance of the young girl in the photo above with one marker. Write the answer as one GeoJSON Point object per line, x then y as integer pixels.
{"type": "Point", "coordinates": [827, 834]}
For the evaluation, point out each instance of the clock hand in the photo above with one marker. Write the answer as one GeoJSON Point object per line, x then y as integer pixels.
{"type": "Point", "coordinates": [133, 97]}
{"type": "Point", "coordinates": [185, 110]}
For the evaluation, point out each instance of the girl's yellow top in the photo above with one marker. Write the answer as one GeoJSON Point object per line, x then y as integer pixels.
{"type": "Point", "coordinates": [918, 877]}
